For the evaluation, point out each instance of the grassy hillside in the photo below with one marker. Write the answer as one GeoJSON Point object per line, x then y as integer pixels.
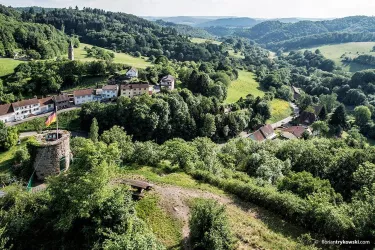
{"type": "Point", "coordinates": [7, 66]}
{"type": "Point", "coordinates": [244, 85]}
{"type": "Point", "coordinates": [80, 54]}
{"type": "Point", "coordinates": [334, 52]}
{"type": "Point", "coordinates": [201, 40]}
{"type": "Point", "coordinates": [166, 211]}
{"type": "Point", "coordinates": [280, 109]}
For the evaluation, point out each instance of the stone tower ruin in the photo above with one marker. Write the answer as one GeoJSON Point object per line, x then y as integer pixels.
{"type": "Point", "coordinates": [71, 51]}
{"type": "Point", "coordinates": [51, 154]}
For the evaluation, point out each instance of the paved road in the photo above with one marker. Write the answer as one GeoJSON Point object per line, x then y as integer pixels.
{"type": "Point", "coordinates": [41, 115]}
{"type": "Point", "coordinates": [289, 118]}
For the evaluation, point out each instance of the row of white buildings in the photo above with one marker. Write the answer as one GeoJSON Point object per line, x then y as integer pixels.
{"type": "Point", "coordinates": [20, 110]}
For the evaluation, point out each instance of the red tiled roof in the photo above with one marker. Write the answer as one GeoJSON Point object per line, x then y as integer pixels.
{"type": "Point", "coordinates": [25, 103]}
{"type": "Point", "coordinates": [307, 117]}
{"type": "Point", "coordinates": [62, 98]}
{"type": "Point", "coordinates": [135, 86]}
{"type": "Point", "coordinates": [267, 130]}
{"type": "Point", "coordinates": [45, 101]}
{"type": "Point", "coordinates": [6, 109]}
{"type": "Point", "coordinates": [296, 130]}
{"type": "Point", "coordinates": [288, 135]}
{"type": "Point", "coordinates": [257, 136]}
{"type": "Point", "coordinates": [110, 87]}
{"type": "Point", "coordinates": [83, 92]}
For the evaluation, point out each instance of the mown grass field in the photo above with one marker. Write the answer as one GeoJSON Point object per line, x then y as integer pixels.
{"type": "Point", "coordinates": [80, 54]}
{"type": "Point", "coordinates": [202, 40]}
{"type": "Point", "coordinates": [247, 84]}
{"type": "Point", "coordinates": [335, 51]}
{"type": "Point", "coordinates": [252, 226]}
{"type": "Point", "coordinates": [7, 66]}
{"type": "Point", "coordinates": [244, 85]}
{"type": "Point", "coordinates": [6, 157]}
{"type": "Point", "coordinates": [236, 55]}
{"type": "Point", "coordinates": [280, 109]}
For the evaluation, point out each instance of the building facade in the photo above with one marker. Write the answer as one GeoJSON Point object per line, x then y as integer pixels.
{"type": "Point", "coordinates": [167, 82]}
{"type": "Point", "coordinates": [133, 72]}
{"type": "Point", "coordinates": [83, 96]}
{"type": "Point", "coordinates": [62, 101]}
{"type": "Point", "coordinates": [6, 113]}
{"type": "Point", "coordinates": [131, 90]}
{"type": "Point", "coordinates": [25, 108]}
{"type": "Point", "coordinates": [46, 104]}
{"type": "Point", "coordinates": [110, 91]}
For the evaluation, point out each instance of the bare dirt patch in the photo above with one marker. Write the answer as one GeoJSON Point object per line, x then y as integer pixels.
{"type": "Point", "coordinates": [176, 201]}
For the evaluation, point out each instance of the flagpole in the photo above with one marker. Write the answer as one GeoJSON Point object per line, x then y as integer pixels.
{"type": "Point", "coordinates": [57, 121]}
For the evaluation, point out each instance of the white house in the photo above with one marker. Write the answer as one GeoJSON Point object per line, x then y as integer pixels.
{"type": "Point", "coordinates": [26, 108]}
{"type": "Point", "coordinates": [131, 90]}
{"type": "Point", "coordinates": [167, 82]}
{"type": "Point", "coordinates": [6, 113]}
{"type": "Point", "coordinates": [83, 96]}
{"type": "Point", "coordinates": [133, 72]}
{"type": "Point", "coordinates": [46, 105]}
{"type": "Point", "coordinates": [110, 91]}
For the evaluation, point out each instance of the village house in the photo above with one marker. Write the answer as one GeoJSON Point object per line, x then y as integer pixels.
{"type": "Point", "coordinates": [25, 108]}
{"type": "Point", "coordinates": [167, 82]}
{"type": "Point", "coordinates": [264, 133]}
{"type": "Point", "coordinates": [46, 105]}
{"type": "Point", "coordinates": [294, 132]}
{"type": "Point", "coordinates": [83, 96]}
{"type": "Point", "coordinates": [309, 117]}
{"type": "Point", "coordinates": [62, 101]}
{"type": "Point", "coordinates": [6, 113]}
{"type": "Point", "coordinates": [132, 73]}
{"type": "Point", "coordinates": [296, 93]}
{"type": "Point", "coordinates": [98, 95]}
{"type": "Point", "coordinates": [110, 91]}
{"type": "Point", "coordinates": [131, 90]}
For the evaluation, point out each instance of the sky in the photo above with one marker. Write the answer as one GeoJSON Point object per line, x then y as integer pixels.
{"type": "Point", "coordinates": [241, 8]}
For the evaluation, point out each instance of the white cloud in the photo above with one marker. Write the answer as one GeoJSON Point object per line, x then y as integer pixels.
{"type": "Point", "coordinates": [250, 8]}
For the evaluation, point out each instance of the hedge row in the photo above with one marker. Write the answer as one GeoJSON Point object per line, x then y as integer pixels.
{"type": "Point", "coordinates": [323, 218]}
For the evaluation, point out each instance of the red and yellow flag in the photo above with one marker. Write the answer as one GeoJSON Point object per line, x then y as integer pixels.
{"type": "Point", "coordinates": [51, 119]}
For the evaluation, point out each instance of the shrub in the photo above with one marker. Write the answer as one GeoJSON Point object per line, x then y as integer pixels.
{"type": "Point", "coordinates": [209, 226]}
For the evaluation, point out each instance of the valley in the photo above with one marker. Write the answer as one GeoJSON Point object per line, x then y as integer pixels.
{"type": "Point", "coordinates": [336, 51]}
{"type": "Point", "coordinates": [126, 131]}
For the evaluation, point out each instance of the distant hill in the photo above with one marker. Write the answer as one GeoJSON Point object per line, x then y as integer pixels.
{"type": "Point", "coordinates": [186, 20]}
{"type": "Point", "coordinates": [230, 22]}
{"type": "Point", "coordinates": [276, 34]}
{"type": "Point", "coordinates": [186, 30]}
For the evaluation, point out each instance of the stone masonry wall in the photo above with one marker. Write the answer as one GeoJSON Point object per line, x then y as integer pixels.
{"type": "Point", "coordinates": [49, 154]}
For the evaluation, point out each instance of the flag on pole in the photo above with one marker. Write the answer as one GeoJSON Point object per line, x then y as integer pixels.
{"type": "Point", "coordinates": [51, 119]}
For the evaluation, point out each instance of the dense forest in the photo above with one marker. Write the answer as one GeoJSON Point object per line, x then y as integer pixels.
{"type": "Point", "coordinates": [36, 41]}
{"type": "Point", "coordinates": [186, 30]}
{"type": "Point", "coordinates": [323, 182]}
{"type": "Point", "coordinates": [126, 33]}
{"type": "Point", "coordinates": [276, 35]}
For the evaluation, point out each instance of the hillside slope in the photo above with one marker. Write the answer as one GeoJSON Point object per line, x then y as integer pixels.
{"type": "Point", "coordinates": [276, 34]}
{"type": "Point", "coordinates": [230, 22]}
{"type": "Point", "coordinates": [253, 227]}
